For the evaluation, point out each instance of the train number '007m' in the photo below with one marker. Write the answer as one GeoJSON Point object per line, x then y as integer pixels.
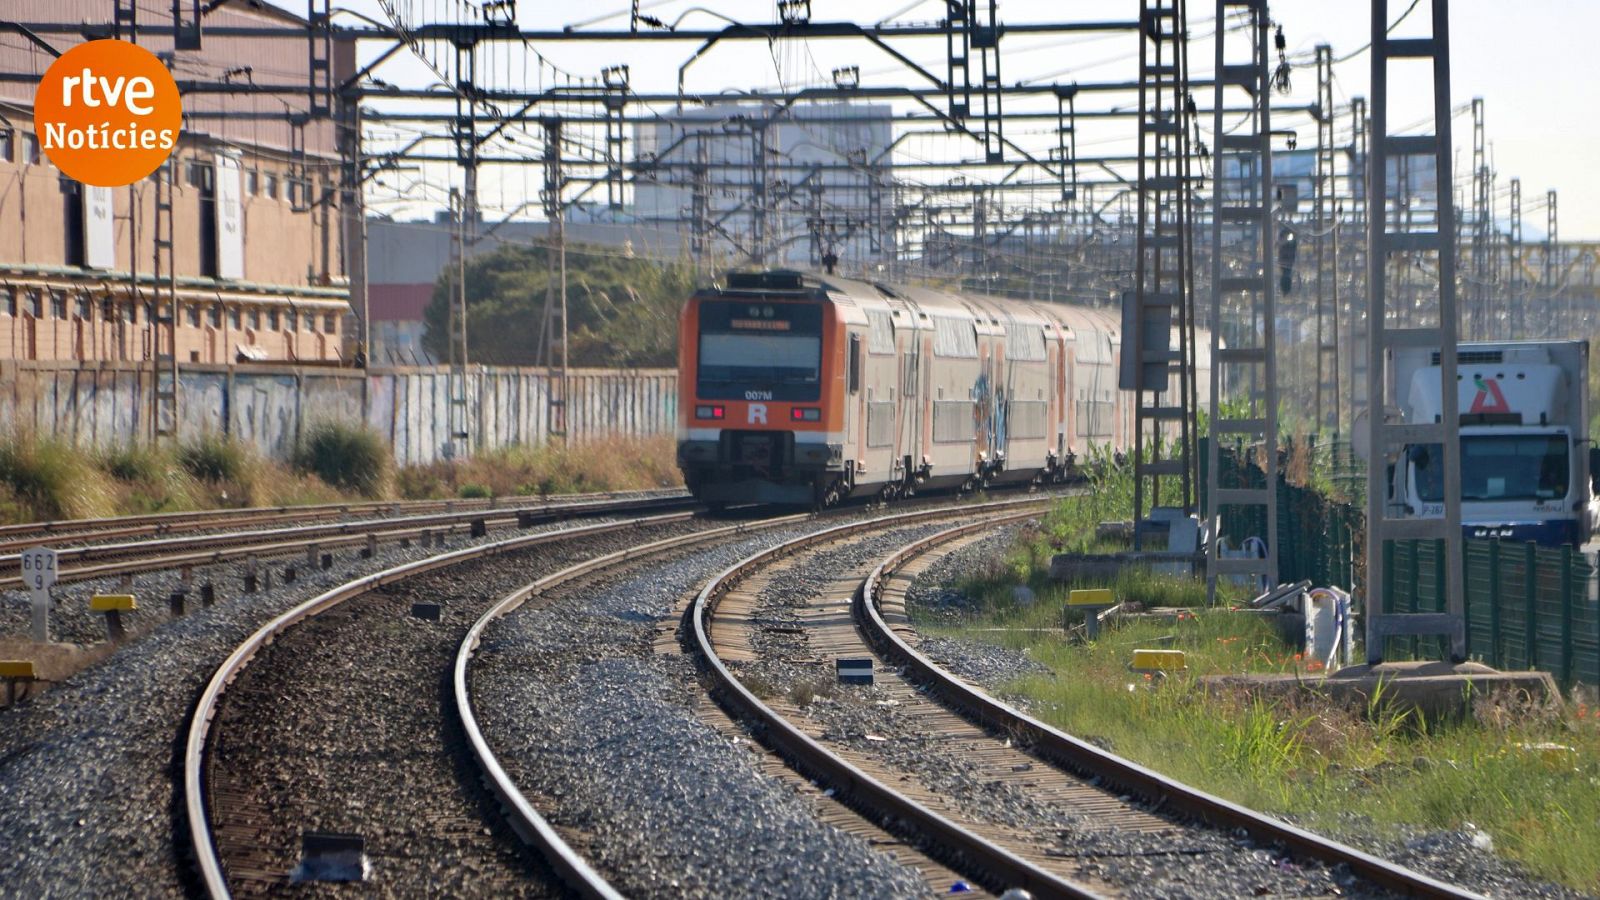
{"type": "Point", "coordinates": [758, 395]}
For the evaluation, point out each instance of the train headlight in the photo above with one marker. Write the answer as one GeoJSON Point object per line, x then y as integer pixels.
{"type": "Point", "coordinates": [806, 414]}
{"type": "Point", "coordinates": [710, 412]}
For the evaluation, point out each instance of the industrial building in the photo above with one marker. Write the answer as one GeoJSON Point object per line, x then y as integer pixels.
{"type": "Point", "coordinates": [250, 243]}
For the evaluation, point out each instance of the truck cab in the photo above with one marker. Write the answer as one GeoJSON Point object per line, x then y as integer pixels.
{"type": "Point", "coordinates": [1525, 460]}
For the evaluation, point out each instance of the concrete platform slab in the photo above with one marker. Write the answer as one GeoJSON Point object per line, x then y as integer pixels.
{"type": "Point", "coordinates": [1437, 689]}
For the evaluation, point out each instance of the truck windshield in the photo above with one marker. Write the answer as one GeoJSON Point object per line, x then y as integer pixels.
{"type": "Point", "coordinates": [760, 351]}
{"type": "Point", "coordinates": [1498, 467]}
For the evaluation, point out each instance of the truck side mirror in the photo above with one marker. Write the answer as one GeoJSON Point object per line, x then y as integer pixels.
{"type": "Point", "coordinates": [1594, 468]}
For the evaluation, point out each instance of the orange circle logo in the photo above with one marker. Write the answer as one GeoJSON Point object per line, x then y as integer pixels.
{"type": "Point", "coordinates": [107, 113]}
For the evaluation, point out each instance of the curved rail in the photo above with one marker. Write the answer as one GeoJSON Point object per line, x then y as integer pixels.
{"type": "Point", "coordinates": [101, 560]}
{"type": "Point", "coordinates": [195, 806]}
{"type": "Point", "coordinates": [525, 820]}
{"type": "Point", "coordinates": [1072, 753]}
{"type": "Point", "coordinates": [1003, 868]}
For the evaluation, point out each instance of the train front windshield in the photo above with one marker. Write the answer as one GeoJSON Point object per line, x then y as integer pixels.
{"type": "Point", "coordinates": [1498, 467]}
{"type": "Point", "coordinates": [760, 351]}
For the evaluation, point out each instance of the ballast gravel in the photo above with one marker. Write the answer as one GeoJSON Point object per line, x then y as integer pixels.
{"type": "Point", "coordinates": [587, 717]}
{"type": "Point", "coordinates": [91, 770]}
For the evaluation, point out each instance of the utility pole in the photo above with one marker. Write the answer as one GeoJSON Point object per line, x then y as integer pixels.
{"type": "Point", "coordinates": [1519, 308]}
{"type": "Point", "coordinates": [1385, 522]}
{"type": "Point", "coordinates": [1160, 304]}
{"type": "Point", "coordinates": [1327, 405]}
{"type": "Point", "coordinates": [1479, 320]}
{"type": "Point", "coordinates": [1244, 233]}
{"type": "Point", "coordinates": [554, 329]}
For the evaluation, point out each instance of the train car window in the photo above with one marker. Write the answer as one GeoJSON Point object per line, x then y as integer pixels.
{"type": "Point", "coordinates": [954, 337]}
{"type": "Point", "coordinates": [754, 350]}
{"type": "Point", "coordinates": [1025, 343]}
{"type": "Point", "coordinates": [855, 363]}
{"type": "Point", "coordinates": [880, 332]}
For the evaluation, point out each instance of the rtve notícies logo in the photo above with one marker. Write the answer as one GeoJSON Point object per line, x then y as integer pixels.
{"type": "Point", "coordinates": [107, 113]}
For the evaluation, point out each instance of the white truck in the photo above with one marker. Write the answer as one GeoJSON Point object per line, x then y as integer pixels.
{"type": "Point", "coordinates": [1527, 467]}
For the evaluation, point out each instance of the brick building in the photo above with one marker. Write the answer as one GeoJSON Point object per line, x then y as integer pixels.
{"type": "Point", "coordinates": [258, 246]}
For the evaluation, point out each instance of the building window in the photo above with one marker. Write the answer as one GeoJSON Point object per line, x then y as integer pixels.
{"type": "Point", "coordinates": [35, 305]}
{"type": "Point", "coordinates": [272, 186]}
{"type": "Point", "coordinates": [30, 150]}
{"type": "Point", "coordinates": [200, 175]}
{"type": "Point", "coordinates": [214, 315]}
{"type": "Point", "coordinates": [330, 324]}
{"type": "Point", "coordinates": [85, 308]}
{"type": "Point", "coordinates": [255, 320]}
{"type": "Point", "coordinates": [9, 307]}
{"type": "Point", "coordinates": [291, 321]}
{"type": "Point", "coordinates": [192, 314]}
{"type": "Point", "coordinates": [109, 311]}
{"type": "Point", "coordinates": [149, 313]}
{"type": "Point", "coordinates": [252, 182]}
{"type": "Point", "coordinates": [233, 317]}
{"type": "Point", "coordinates": [274, 321]}
{"type": "Point", "coordinates": [58, 305]}
{"type": "Point", "coordinates": [8, 140]}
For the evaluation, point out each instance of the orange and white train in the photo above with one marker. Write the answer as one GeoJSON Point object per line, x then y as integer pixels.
{"type": "Point", "coordinates": [805, 389]}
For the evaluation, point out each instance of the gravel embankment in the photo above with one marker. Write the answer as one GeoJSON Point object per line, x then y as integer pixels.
{"type": "Point", "coordinates": [347, 724]}
{"type": "Point", "coordinates": [92, 768]}
{"type": "Point", "coordinates": [880, 723]}
{"type": "Point", "coordinates": [589, 719]}
{"type": "Point", "coordinates": [1463, 858]}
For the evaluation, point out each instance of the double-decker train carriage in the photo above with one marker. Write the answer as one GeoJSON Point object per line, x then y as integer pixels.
{"type": "Point", "coordinates": [807, 389]}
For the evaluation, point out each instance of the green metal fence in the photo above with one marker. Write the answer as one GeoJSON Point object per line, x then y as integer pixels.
{"type": "Point", "coordinates": [1318, 538]}
{"type": "Point", "coordinates": [1528, 607]}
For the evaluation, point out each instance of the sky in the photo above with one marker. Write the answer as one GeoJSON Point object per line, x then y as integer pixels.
{"type": "Point", "coordinates": [1533, 63]}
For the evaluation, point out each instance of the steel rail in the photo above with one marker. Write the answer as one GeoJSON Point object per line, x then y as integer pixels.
{"type": "Point", "coordinates": [1080, 756]}
{"type": "Point", "coordinates": [999, 867]}
{"type": "Point", "coordinates": [169, 553]}
{"type": "Point", "coordinates": [201, 840]}
{"type": "Point", "coordinates": [525, 820]}
{"type": "Point", "coordinates": [22, 535]}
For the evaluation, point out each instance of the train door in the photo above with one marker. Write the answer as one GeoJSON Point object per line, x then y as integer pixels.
{"type": "Point", "coordinates": [882, 377]}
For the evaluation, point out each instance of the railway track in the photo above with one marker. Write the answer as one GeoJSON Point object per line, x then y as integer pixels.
{"type": "Point", "coordinates": [87, 562]}
{"type": "Point", "coordinates": [377, 744]}
{"type": "Point", "coordinates": [982, 787]}
{"type": "Point", "coordinates": [21, 536]}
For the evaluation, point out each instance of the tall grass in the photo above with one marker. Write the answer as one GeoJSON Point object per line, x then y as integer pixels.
{"type": "Point", "coordinates": [1525, 774]}
{"type": "Point", "coordinates": [349, 458]}
{"type": "Point", "coordinates": [610, 464]}
{"type": "Point", "coordinates": [44, 479]}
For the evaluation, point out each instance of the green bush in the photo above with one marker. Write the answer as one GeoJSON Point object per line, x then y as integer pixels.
{"type": "Point", "coordinates": [215, 457]}
{"type": "Point", "coordinates": [350, 458]}
{"type": "Point", "coordinates": [474, 492]}
{"type": "Point", "coordinates": [133, 463]}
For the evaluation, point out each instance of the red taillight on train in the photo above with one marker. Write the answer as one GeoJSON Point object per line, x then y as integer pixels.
{"type": "Point", "coordinates": [805, 414]}
{"type": "Point", "coordinates": [710, 412]}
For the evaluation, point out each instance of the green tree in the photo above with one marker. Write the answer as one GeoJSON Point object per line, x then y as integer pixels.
{"type": "Point", "coordinates": [622, 311]}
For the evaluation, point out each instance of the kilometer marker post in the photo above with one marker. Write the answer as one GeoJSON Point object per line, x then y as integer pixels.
{"type": "Point", "coordinates": [39, 574]}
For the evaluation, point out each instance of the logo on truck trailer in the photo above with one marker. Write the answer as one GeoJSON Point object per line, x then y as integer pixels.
{"type": "Point", "coordinates": [1488, 399]}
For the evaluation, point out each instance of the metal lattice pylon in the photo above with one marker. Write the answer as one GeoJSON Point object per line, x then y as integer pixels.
{"type": "Point", "coordinates": [1158, 313]}
{"type": "Point", "coordinates": [1244, 396]}
{"type": "Point", "coordinates": [1386, 521]}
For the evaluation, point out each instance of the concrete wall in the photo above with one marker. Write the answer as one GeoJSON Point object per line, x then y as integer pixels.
{"type": "Point", "coordinates": [269, 406]}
